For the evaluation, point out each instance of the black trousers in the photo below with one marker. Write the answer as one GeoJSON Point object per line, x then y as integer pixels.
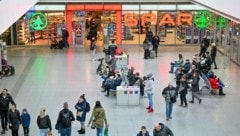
{"type": "Point", "coordinates": [214, 61]}
{"type": "Point", "coordinates": [4, 118]}
{"type": "Point", "coordinates": [183, 99]}
{"type": "Point", "coordinates": [26, 130]}
{"type": "Point", "coordinates": [156, 49]}
{"type": "Point", "coordinates": [15, 130]}
{"type": "Point", "coordinates": [202, 51]}
{"type": "Point", "coordinates": [146, 54]}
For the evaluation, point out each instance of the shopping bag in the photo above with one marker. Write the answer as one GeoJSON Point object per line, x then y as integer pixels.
{"type": "Point", "coordinates": [106, 132]}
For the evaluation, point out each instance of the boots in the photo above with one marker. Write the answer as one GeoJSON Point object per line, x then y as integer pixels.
{"type": "Point", "coordinates": [81, 131]}
{"type": "Point", "coordinates": [150, 110]}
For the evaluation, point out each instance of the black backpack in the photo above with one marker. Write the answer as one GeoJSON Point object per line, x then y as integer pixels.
{"type": "Point", "coordinates": [87, 107]}
{"type": "Point", "coordinates": [66, 119]}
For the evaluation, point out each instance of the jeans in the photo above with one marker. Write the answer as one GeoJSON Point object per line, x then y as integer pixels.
{"type": "Point", "coordinates": [99, 131]}
{"type": "Point", "coordinates": [66, 131]}
{"type": "Point", "coordinates": [169, 108]}
{"type": "Point", "coordinates": [43, 132]}
{"type": "Point", "coordinates": [172, 67]}
{"type": "Point", "coordinates": [150, 100]}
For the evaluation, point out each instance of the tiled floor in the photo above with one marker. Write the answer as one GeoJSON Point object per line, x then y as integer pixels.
{"type": "Point", "coordinates": [47, 78]}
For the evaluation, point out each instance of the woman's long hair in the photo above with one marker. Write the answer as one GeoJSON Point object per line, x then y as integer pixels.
{"type": "Point", "coordinates": [42, 113]}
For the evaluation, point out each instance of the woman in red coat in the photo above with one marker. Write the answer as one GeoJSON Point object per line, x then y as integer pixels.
{"type": "Point", "coordinates": [215, 85]}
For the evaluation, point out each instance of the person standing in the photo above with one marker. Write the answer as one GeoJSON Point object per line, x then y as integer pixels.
{"type": "Point", "coordinates": [149, 35]}
{"type": "Point", "coordinates": [65, 36]}
{"type": "Point", "coordinates": [182, 90]}
{"type": "Point", "coordinates": [213, 55]}
{"type": "Point", "coordinates": [5, 100]}
{"type": "Point", "coordinates": [203, 46]}
{"type": "Point", "coordinates": [195, 87]}
{"type": "Point", "coordinates": [161, 130]}
{"type": "Point", "coordinates": [99, 116]}
{"type": "Point", "coordinates": [65, 118]}
{"type": "Point", "coordinates": [170, 95]}
{"type": "Point", "coordinates": [44, 123]}
{"type": "Point", "coordinates": [143, 132]}
{"type": "Point", "coordinates": [25, 119]}
{"type": "Point", "coordinates": [155, 43]}
{"type": "Point", "coordinates": [149, 90]}
{"type": "Point", "coordinates": [93, 48]}
{"type": "Point", "coordinates": [146, 47]}
{"type": "Point", "coordinates": [14, 120]}
{"type": "Point", "coordinates": [81, 113]}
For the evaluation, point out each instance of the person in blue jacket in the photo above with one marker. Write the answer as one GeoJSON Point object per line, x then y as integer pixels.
{"type": "Point", "coordinates": [81, 112]}
{"type": "Point", "coordinates": [25, 118]}
{"type": "Point", "coordinates": [143, 132]}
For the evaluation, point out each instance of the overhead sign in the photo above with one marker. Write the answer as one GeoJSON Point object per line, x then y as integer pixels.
{"type": "Point", "coordinates": [203, 19]}
{"type": "Point", "coordinates": [38, 21]}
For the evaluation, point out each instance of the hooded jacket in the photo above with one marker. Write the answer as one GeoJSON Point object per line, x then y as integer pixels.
{"type": "Point", "coordinates": [149, 85]}
{"type": "Point", "coordinates": [165, 131]}
{"type": "Point", "coordinates": [99, 116]}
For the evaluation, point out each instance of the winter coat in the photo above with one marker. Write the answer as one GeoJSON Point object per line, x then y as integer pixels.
{"type": "Point", "coordinates": [61, 116]}
{"type": "Point", "coordinates": [156, 41]}
{"type": "Point", "coordinates": [81, 107]}
{"type": "Point", "coordinates": [25, 118]}
{"type": "Point", "coordinates": [182, 88]}
{"type": "Point", "coordinates": [99, 116]}
{"type": "Point", "coordinates": [214, 83]}
{"type": "Point", "coordinates": [169, 93]}
{"type": "Point", "coordinates": [195, 84]}
{"type": "Point", "coordinates": [186, 67]}
{"type": "Point", "coordinates": [4, 102]}
{"type": "Point", "coordinates": [165, 131]}
{"type": "Point", "coordinates": [205, 43]}
{"type": "Point", "coordinates": [213, 52]}
{"type": "Point", "coordinates": [141, 134]}
{"type": "Point", "coordinates": [149, 86]}
{"type": "Point", "coordinates": [44, 123]}
{"type": "Point", "coordinates": [14, 118]}
{"type": "Point", "coordinates": [149, 35]}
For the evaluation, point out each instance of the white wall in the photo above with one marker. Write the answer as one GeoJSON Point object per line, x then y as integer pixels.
{"type": "Point", "coordinates": [228, 7]}
{"type": "Point", "coordinates": [12, 10]}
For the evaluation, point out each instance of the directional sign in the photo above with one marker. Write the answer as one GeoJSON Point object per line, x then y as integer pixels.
{"type": "Point", "coordinates": [203, 19]}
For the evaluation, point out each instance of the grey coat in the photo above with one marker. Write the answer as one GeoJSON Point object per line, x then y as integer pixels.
{"type": "Point", "coordinates": [165, 131]}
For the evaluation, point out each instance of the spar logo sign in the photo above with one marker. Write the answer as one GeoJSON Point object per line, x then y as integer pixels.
{"type": "Point", "coordinates": [38, 21]}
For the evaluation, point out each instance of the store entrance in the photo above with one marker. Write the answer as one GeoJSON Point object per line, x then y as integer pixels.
{"type": "Point", "coordinates": [98, 24]}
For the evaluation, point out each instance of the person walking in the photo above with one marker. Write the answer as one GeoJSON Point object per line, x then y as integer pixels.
{"type": "Point", "coordinates": [195, 87]}
{"type": "Point", "coordinates": [170, 95]}
{"type": "Point", "coordinates": [65, 118]}
{"type": "Point", "coordinates": [213, 55]}
{"type": "Point", "coordinates": [143, 132]}
{"type": "Point", "coordinates": [81, 113]}
{"type": "Point", "coordinates": [14, 120]}
{"type": "Point", "coordinates": [203, 46]}
{"type": "Point", "coordinates": [146, 47]}
{"type": "Point", "coordinates": [93, 48]}
{"type": "Point", "coordinates": [25, 119]}
{"type": "Point", "coordinates": [5, 100]}
{"type": "Point", "coordinates": [149, 90]}
{"type": "Point", "coordinates": [65, 36]}
{"type": "Point", "coordinates": [161, 130]}
{"type": "Point", "coordinates": [182, 90]}
{"type": "Point", "coordinates": [99, 118]}
{"type": "Point", "coordinates": [44, 123]}
{"type": "Point", "coordinates": [155, 43]}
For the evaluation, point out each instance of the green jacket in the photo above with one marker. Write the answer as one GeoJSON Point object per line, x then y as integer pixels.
{"type": "Point", "coordinates": [99, 115]}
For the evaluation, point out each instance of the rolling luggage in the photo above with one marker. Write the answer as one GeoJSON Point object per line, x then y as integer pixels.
{"type": "Point", "coordinates": [152, 54]}
{"type": "Point", "coordinates": [60, 44]}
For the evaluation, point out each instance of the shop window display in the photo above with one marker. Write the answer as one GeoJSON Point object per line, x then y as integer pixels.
{"type": "Point", "coordinates": [27, 35]}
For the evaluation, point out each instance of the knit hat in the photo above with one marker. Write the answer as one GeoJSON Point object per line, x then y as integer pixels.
{"type": "Point", "coordinates": [149, 75]}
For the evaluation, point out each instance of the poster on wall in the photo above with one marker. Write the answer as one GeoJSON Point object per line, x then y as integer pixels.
{"type": "Point", "coordinates": [188, 35]}
{"type": "Point", "coordinates": [196, 35]}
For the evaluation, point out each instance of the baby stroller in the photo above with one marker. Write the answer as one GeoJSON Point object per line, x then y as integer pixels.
{"type": "Point", "coordinates": [7, 70]}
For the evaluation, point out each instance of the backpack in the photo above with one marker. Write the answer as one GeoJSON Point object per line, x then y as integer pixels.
{"type": "Point", "coordinates": [66, 120]}
{"type": "Point", "coordinates": [87, 107]}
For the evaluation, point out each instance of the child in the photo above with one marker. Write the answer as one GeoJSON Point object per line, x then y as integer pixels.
{"type": "Point", "coordinates": [143, 132]}
{"type": "Point", "coordinates": [25, 117]}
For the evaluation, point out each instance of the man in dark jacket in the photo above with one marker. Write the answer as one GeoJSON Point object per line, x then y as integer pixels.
{"type": "Point", "coordinates": [64, 120]}
{"type": "Point", "coordinates": [5, 100]}
{"type": "Point", "coordinates": [170, 94]}
{"type": "Point", "coordinates": [186, 67]}
{"type": "Point", "coordinates": [65, 36]}
{"type": "Point", "coordinates": [155, 43]}
{"type": "Point", "coordinates": [203, 46]}
{"type": "Point", "coordinates": [162, 130]}
{"type": "Point", "coordinates": [213, 55]}
{"type": "Point", "coordinates": [195, 87]}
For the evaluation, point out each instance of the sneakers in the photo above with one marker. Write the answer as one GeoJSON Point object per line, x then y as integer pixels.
{"type": "Point", "coordinates": [191, 101]}
{"type": "Point", "coordinates": [150, 110]}
{"type": "Point", "coordinates": [170, 72]}
{"type": "Point", "coordinates": [200, 101]}
{"type": "Point", "coordinates": [222, 94]}
{"type": "Point", "coordinates": [3, 132]}
{"type": "Point", "coordinates": [148, 107]}
{"type": "Point", "coordinates": [81, 131]}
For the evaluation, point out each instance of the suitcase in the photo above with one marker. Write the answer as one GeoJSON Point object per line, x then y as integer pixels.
{"type": "Point", "coordinates": [152, 54]}
{"type": "Point", "coordinates": [60, 44]}
{"type": "Point", "coordinates": [12, 70]}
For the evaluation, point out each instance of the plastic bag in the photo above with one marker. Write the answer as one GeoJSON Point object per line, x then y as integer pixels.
{"type": "Point", "coordinates": [106, 132]}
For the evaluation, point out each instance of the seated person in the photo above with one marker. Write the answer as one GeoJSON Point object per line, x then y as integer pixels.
{"type": "Point", "coordinates": [214, 81]}
{"type": "Point", "coordinates": [186, 67]}
{"type": "Point", "coordinates": [133, 79]}
{"type": "Point", "coordinates": [53, 42]}
{"type": "Point", "coordinates": [115, 81]}
{"type": "Point", "coordinates": [5, 67]}
{"type": "Point", "coordinates": [130, 72]}
{"type": "Point", "coordinates": [177, 63]}
{"type": "Point", "coordinates": [112, 48]}
{"type": "Point", "coordinates": [110, 73]}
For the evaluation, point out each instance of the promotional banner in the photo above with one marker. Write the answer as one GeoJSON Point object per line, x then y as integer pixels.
{"type": "Point", "coordinates": [12, 10]}
{"type": "Point", "coordinates": [229, 8]}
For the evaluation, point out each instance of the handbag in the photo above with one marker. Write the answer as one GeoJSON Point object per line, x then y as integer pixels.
{"type": "Point", "coordinates": [93, 125]}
